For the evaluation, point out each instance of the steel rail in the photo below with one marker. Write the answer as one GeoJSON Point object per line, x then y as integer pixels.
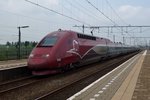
{"type": "Point", "coordinates": [84, 77]}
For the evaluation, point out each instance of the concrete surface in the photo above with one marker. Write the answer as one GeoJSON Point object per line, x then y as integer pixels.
{"type": "Point", "coordinates": [105, 87]}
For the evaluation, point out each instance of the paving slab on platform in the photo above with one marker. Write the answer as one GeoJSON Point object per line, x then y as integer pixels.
{"type": "Point", "coordinates": [142, 89]}
{"type": "Point", "coordinates": [126, 90]}
{"type": "Point", "coordinates": [137, 85]}
{"type": "Point", "coordinates": [12, 64]}
{"type": "Point", "coordinates": [105, 87]}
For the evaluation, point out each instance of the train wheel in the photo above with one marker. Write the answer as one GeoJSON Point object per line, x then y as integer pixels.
{"type": "Point", "coordinates": [67, 67]}
{"type": "Point", "coordinates": [71, 66]}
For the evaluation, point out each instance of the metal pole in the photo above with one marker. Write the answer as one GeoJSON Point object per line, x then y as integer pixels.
{"type": "Point", "coordinates": [130, 40]}
{"type": "Point", "coordinates": [123, 40]}
{"type": "Point", "coordinates": [19, 44]}
{"type": "Point", "coordinates": [114, 38]}
{"type": "Point", "coordinates": [108, 33]}
{"type": "Point", "coordinates": [149, 44]}
{"type": "Point", "coordinates": [19, 41]}
{"type": "Point", "coordinates": [83, 28]}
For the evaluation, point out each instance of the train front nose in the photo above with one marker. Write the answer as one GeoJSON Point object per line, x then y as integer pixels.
{"type": "Point", "coordinates": [38, 61]}
{"type": "Point", "coordinates": [40, 58]}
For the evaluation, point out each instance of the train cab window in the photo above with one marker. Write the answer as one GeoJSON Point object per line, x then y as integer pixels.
{"type": "Point", "coordinates": [48, 41]}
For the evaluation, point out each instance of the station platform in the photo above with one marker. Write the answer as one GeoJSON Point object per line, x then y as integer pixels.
{"type": "Point", "coordinates": [12, 64]}
{"type": "Point", "coordinates": [129, 81]}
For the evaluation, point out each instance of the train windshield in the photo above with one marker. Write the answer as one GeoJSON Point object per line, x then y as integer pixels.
{"type": "Point", "coordinates": [48, 41]}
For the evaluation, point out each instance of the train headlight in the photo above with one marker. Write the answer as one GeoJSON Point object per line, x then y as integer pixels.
{"type": "Point", "coordinates": [45, 56]}
{"type": "Point", "coordinates": [31, 56]}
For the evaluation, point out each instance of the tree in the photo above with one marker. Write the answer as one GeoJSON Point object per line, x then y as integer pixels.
{"type": "Point", "coordinates": [16, 45]}
{"type": "Point", "coordinates": [26, 43]}
{"type": "Point", "coordinates": [34, 44]}
{"type": "Point", "coordinates": [12, 43]}
{"type": "Point", "coordinates": [8, 43]}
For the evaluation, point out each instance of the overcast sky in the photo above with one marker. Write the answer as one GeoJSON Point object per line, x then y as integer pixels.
{"type": "Point", "coordinates": [14, 13]}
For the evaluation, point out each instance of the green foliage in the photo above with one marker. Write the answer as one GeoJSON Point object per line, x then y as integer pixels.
{"type": "Point", "coordinates": [10, 50]}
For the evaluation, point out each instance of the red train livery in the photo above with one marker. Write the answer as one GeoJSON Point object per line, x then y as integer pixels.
{"type": "Point", "coordinates": [62, 49]}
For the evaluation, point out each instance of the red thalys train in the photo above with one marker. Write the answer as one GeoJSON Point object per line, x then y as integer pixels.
{"type": "Point", "coordinates": [62, 50]}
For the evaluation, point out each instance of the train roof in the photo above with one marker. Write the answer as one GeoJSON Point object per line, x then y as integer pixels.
{"type": "Point", "coordinates": [78, 33]}
{"type": "Point", "coordinates": [87, 36]}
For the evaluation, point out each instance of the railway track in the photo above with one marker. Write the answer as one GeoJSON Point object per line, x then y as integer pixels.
{"type": "Point", "coordinates": [17, 83]}
{"type": "Point", "coordinates": [57, 86]}
{"type": "Point", "coordinates": [59, 93]}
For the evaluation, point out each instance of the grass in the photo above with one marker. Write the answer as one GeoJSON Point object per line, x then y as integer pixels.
{"type": "Point", "coordinates": [11, 52]}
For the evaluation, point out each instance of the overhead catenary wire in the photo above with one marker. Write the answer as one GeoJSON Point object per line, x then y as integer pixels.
{"type": "Point", "coordinates": [57, 12]}
{"type": "Point", "coordinates": [26, 16]}
{"type": "Point", "coordinates": [71, 12]}
{"type": "Point", "coordinates": [102, 13]}
{"type": "Point", "coordinates": [87, 10]}
{"type": "Point", "coordinates": [115, 12]}
{"type": "Point", "coordinates": [90, 11]}
{"type": "Point", "coordinates": [115, 24]}
{"type": "Point", "coordinates": [82, 10]}
{"type": "Point", "coordinates": [118, 16]}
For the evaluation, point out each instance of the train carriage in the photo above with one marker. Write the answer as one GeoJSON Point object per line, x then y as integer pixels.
{"type": "Point", "coordinates": [63, 49]}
